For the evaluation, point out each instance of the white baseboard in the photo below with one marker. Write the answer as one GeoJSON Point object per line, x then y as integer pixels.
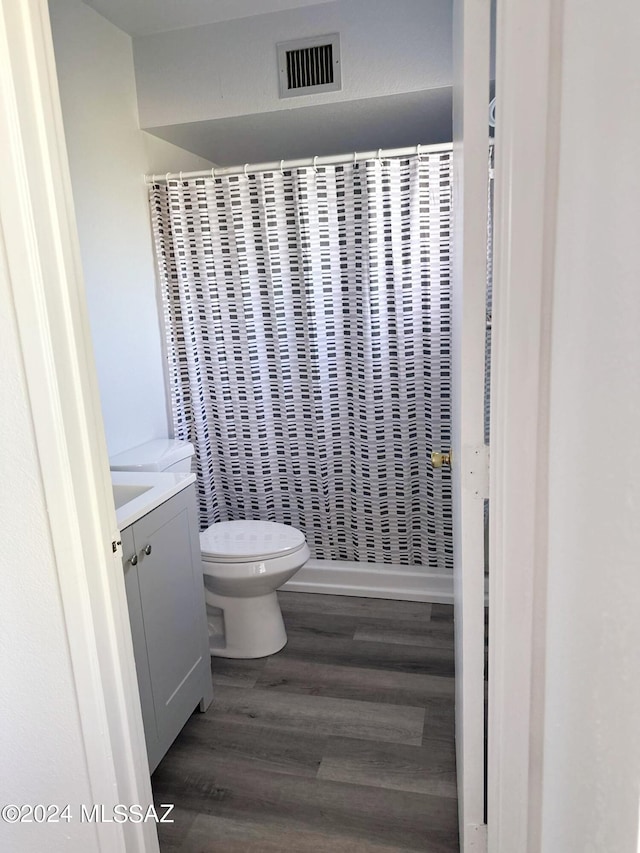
{"type": "Point", "coordinates": [373, 580]}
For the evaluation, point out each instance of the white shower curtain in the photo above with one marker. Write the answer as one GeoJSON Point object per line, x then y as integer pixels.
{"type": "Point", "coordinates": [308, 327]}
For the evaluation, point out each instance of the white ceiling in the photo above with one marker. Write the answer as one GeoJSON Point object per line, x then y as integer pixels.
{"type": "Point", "coordinates": [143, 17]}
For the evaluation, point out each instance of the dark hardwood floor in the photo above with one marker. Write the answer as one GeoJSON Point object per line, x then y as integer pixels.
{"type": "Point", "coordinates": [341, 742]}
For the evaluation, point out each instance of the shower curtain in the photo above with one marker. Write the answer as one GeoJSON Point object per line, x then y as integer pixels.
{"type": "Point", "coordinates": [307, 319]}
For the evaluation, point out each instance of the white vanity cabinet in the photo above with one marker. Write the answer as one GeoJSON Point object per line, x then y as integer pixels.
{"type": "Point", "coordinates": [163, 579]}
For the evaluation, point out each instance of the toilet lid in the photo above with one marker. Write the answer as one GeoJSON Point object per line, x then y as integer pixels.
{"type": "Point", "coordinates": [242, 541]}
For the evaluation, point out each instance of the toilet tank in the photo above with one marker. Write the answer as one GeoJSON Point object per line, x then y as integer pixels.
{"type": "Point", "coordinates": [161, 454]}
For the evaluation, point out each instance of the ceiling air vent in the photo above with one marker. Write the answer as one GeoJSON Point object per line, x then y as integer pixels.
{"type": "Point", "coordinates": [308, 66]}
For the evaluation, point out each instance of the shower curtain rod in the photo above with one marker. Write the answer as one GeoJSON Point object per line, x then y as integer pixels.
{"type": "Point", "coordinates": [281, 165]}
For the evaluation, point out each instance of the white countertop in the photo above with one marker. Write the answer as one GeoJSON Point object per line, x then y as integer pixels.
{"type": "Point", "coordinates": [138, 492]}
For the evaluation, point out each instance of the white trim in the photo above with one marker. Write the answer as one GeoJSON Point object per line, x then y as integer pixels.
{"type": "Point", "coordinates": [36, 216]}
{"type": "Point", "coordinates": [304, 162]}
{"type": "Point", "coordinates": [372, 580]}
{"type": "Point", "coordinates": [471, 36]}
{"type": "Point", "coordinates": [528, 56]}
{"type": "Point", "coordinates": [476, 838]}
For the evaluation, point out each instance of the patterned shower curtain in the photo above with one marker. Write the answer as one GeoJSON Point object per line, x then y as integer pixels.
{"type": "Point", "coordinates": [307, 317]}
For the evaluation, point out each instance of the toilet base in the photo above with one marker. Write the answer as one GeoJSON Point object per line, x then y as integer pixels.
{"type": "Point", "coordinates": [253, 627]}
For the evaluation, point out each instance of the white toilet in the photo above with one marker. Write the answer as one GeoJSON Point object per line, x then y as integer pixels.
{"type": "Point", "coordinates": [243, 563]}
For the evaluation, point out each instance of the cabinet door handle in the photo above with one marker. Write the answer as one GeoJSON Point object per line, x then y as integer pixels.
{"type": "Point", "coordinates": [147, 549]}
{"type": "Point", "coordinates": [134, 560]}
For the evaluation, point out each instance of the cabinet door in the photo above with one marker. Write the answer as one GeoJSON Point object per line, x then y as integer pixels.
{"type": "Point", "coordinates": [140, 647]}
{"type": "Point", "coordinates": [172, 597]}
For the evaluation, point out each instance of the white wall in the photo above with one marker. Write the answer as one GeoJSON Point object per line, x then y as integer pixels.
{"type": "Point", "coordinates": [230, 68]}
{"type": "Point", "coordinates": [108, 157]}
{"type": "Point", "coordinates": [162, 157]}
{"type": "Point", "coordinates": [592, 707]}
{"type": "Point", "coordinates": [41, 748]}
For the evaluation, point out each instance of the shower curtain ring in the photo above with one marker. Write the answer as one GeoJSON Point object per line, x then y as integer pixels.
{"type": "Point", "coordinates": [180, 176]}
{"type": "Point", "coordinates": [419, 152]}
{"type": "Point", "coordinates": [166, 177]}
{"type": "Point", "coordinates": [246, 166]}
{"type": "Point", "coordinates": [315, 168]}
{"type": "Point", "coordinates": [355, 157]}
{"type": "Point", "coordinates": [213, 173]}
{"type": "Point", "coordinates": [282, 167]}
{"type": "Point", "coordinates": [380, 155]}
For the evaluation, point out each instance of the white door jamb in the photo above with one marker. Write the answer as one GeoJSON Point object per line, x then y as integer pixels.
{"type": "Point", "coordinates": [528, 56]}
{"type": "Point", "coordinates": [38, 225]}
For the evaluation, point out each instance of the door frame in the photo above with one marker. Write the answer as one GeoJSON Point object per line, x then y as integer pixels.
{"type": "Point", "coordinates": [471, 61]}
{"type": "Point", "coordinates": [45, 278]}
{"type": "Point", "coordinates": [528, 54]}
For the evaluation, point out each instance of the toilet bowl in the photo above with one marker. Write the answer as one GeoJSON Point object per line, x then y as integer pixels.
{"type": "Point", "coordinates": [243, 563]}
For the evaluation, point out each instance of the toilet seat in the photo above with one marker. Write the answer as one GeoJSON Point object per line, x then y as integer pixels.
{"type": "Point", "coordinates": [248, 541]}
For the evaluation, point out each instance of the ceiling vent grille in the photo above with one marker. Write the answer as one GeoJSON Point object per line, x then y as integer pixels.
{"type": "Point", "coordinates": [309, 66]}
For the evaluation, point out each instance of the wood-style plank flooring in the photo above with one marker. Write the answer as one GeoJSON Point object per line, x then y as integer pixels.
{"type": "Point", "coordinates": [342, 742]}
